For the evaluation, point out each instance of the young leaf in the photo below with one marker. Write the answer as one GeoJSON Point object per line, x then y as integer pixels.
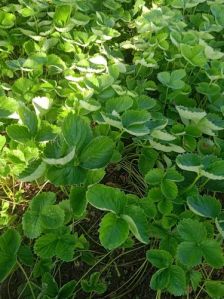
{"type": "Point", "coordinates": [113, 231]}
{"type": "Point", "coordinates": [78, 200]}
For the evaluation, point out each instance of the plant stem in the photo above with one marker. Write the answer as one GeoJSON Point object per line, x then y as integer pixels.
{"type": "Point", "coordinates": [28, 281]}
{"type": "Point", "coordinates": [158, 294]}
{"type": "Point", "coordinates": [192, 184]}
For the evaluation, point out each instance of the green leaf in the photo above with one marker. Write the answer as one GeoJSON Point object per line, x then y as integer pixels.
{"type": "Point", "coordinates": [195, 278]}
{"type": "Point", "coordinates": [60, 161]}
{"type": "Point", "coordinates": [9, 246]}
{"type": "Point", "coordinates": [189, 162]}
{"type": "Point", "coordinates": [18, 133]}
{"type": "Point", "coordinates": [113, 231]}
{"type": "Point", "coordinates": [106, 198]}
{"type": "Point", "coordinates": [177, 283]}
{"type": "Point", "coordinates": [97, 153]}
{"type": "Point", "coordinates": [185, 256]}
{"type": "Point", "coordinates": [205, 206]}
{"type": "Point", "coordinates": [213, 253]}
{"type": "Point", "coordinates": [29, 119]}
{"type": "Point", "coordinates": [192, 230]}
{"type": "Point", "coordinates": [66, 175]}
{"type": "Point", "coordinates": [173, 175]}
{"type": "Point", "coordinates": [118, 104]}
{"type": "Point", "coordinates": [59, 243]}
{"type": "Point", "coordinates": [94, 284]}
{"type": "Point", "coordinates": [76, 130]}
{"type": "Point", "coordinates": [159, 258]}
{"type": "Point", "coordinates": [193, 114]}
{"type": "Point", "coordinates": [67, 290]}
{"type": "Point", "coordinates": [194, 54]}
{"type": "Point", "coordinates": [169, 189]}
{"type": "Point", "coordinates": [134, 117]}
{"type": "Point", "coordinates": [41, 105]}
{"type": "Point", "coordinates": [215, 171]}
{"type": "Point", "coordinates": [78, 200]}
{"type": "Point", "coordinates": [32, 221]}
{"type": "Point", "coordinates": [52, 217]}
{"type": "Point", "coordinates": [33, 171]}
{"type": "Point", "coordinates": [154, 176]}
{"type": "Point", "coordinates": [137, 221]}
{"type": "Point", "coordinates": [25, 255]}
{"type": "Point", "coordinates": [160, 279]}
{"type": "Point", "coordinates": [215, 289]}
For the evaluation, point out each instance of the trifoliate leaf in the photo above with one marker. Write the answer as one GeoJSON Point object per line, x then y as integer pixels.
{"type": "Point", "coordinates": [59, 243]}
{"type": "Point", "coordinates": [192, 230]}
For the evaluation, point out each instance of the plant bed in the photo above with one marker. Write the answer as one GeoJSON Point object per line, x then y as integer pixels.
{"type": "Point", "coordinates": [111, 149]}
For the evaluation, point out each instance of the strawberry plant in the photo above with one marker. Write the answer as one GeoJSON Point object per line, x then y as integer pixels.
{"type": "Point", "coordinates": [111, 149]}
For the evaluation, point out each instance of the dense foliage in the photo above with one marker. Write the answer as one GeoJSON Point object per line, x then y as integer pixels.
{"type": "Point", "coordinates": [89, 88]}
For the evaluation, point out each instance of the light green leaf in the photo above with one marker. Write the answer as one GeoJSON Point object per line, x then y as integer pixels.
{"type": "Point", "coordinates": [113, 231]}
{"type": "Point", "coordinates": [194, 54]}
